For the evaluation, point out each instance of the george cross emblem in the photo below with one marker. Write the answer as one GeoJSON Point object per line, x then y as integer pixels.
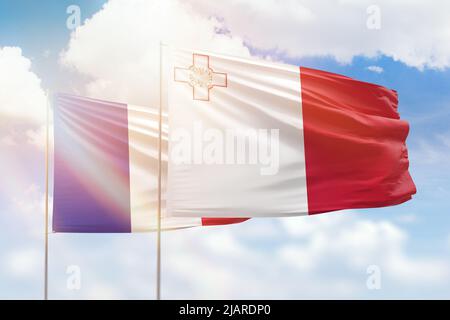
{"type": "Point", "coordinates": [200, 77]}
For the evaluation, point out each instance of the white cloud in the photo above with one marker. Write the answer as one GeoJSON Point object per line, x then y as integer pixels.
{"type": "Point", "coordinates": [23, 263]}
{"type": "Point", "coordinates": [7, 140]}
{"type": "Point", "coordinates": [407, 218]}
{"type": "Point", "coordinates": [376, 69]}
{"type": "Point", "coordinates": [359, 243]}
{"type": "Point", "coordinates": [434, 150]}
{"type": "Point", "coordinates": [30, 202]}
{"type": "Point", "coordinates": [448, 241]}
{"type": "Point", "coordinates": [307, 257]}
{"type": "Point", "coordinates": [23, 101]}
{"type": "Point", "coordinates": [339, 28]}
{"type": "Point", "coordinates": [28, 206]}
{"type": "Point", "coordinates": [37, 137]}
{"type": "Point", "coordinates": [21, 95]}
{"type": "Point", "coordinates": [103, 292]}
{"type": "Point", "coordinates": [47, 53]}
{"type": "Point", "coordinates": [118, 48]}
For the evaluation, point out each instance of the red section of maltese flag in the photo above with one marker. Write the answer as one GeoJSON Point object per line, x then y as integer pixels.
{"type": "Point", "coordinates": [221, 221]}
{"type": "Point", "coordinates": [355, 150]}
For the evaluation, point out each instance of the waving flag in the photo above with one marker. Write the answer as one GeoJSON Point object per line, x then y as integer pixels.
{"type": "Point", "coordinates": [105, 168]}
{"type": "Point", "coordinates": [259, 139]}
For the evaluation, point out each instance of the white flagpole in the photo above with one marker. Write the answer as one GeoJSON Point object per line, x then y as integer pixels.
{"type": "Point", "coordinates": [46, 196]}
{"type": "Point", "coordinates": [158, 236]}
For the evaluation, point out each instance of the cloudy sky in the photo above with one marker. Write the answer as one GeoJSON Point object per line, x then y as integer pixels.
{"type": "Point", "coordinates": [113, 54]}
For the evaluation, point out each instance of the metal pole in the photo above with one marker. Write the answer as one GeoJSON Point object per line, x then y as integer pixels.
{"type": "Point", "coordinates": [46, 197]}
{"type": "Point", "coordinates": [158, 236]}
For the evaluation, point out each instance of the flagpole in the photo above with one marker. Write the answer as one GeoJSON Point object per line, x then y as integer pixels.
{"type": "Point", "coordinates": [158, 236]}
{"type": "Point", "coordinates": [46, 197]}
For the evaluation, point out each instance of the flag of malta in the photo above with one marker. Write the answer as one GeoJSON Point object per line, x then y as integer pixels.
{"type": "Point", "coordinates": [252, 138]}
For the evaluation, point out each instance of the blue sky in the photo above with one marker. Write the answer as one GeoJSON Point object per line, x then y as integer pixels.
{"type": "Point", "coordinates": [122, 266]}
